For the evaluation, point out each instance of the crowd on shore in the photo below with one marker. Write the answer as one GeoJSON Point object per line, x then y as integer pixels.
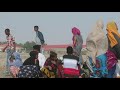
{"type": "Point", "coordinates": [102, 56]}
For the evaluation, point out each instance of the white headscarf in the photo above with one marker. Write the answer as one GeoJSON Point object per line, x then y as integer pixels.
{"type": "Point", "coordinates": [96, 42]}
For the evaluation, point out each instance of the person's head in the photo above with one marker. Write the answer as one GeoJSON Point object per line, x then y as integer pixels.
{"type": "Point", "coordinates": [75, 31]}
{"type": "Point", "coordinates": [37, 48]}
{"type": "Point", "coordinates": [100, 24]}
{"type": "Point", "coordinates": [112, 26]}
{"type": "Point", "coordinates": [53, 55]}
{"type": "Point", "coordinates": [36, 28]}
{"type": "Point", "coordinates": [69, 50]}
{"type": "Point", "coordinates": [7, 31]}
{"type": "Point", "coordinates": [34, 54]}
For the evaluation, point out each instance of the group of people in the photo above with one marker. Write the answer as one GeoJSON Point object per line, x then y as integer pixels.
{"type": "Point", "coordinates": [101, 57]}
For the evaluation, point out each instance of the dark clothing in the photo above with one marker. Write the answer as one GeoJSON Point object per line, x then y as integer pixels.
{"type": "Point", "coordinates": [116, 48]}
{"type": "Point", "coordinates": [31, 61]}
{"type": "Point", "coordinates": [29, 71]}
{"type": "Point", "coordinates": [40, 36]}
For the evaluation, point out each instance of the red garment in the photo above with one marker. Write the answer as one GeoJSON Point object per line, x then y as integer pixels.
{"type": "Point", "coordinates": [70, 71]}
{"type": "Point", "coordinates": [111, 59]}
{"type": "Point", "coordinates": [60, 72]}
{"type": "Point", "coordinates": [10, 41]}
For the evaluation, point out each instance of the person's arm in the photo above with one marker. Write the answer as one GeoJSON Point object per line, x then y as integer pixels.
{"type": "Point", "coordinates": [41, 37]}
{"type": "Point", "coordinates": [5, 48]}
{"type": "Point", "coordinates": [42, 60]}
{"type": "Point", "coordinates": [14, 44]}
{"type": "Point", "coordinates": [74, 41]}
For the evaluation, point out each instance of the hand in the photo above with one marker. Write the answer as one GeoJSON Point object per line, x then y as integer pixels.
{"type": "Point", "coordinates": [3, 50]}
{"type": "Point", "coordinates": [50, 68]}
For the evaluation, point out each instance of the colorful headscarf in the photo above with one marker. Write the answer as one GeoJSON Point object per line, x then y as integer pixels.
{"type": "Point", "coordinates": [112, 28]}
{"type": "Point", "coordinates": [75, 31]}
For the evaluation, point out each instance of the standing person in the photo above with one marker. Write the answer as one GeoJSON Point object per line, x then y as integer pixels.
{"type": "Point", "coordinates": [77, 43]}
{"type": "Point", "coordinates": [113, 53]}
{"type": "Point", "coordinates": [41, 57]}
{"type": "Point", "coordinates": [96, 42]}
{"type": "Point", "coordinates": [10, 47]}
{"type": "Point", "coordinates": [39, 38]}
{"type": "Point", "coordinates": [96, 45]}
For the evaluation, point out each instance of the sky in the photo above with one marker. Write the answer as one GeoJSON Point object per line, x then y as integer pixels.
{"type": "Point", "coordinates": [55, 26]}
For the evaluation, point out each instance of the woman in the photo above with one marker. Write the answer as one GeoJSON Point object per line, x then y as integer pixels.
{"type": "Point", "coordinates": [77, 43]}
{"type": "Point", "coordinates": [113, 53]}
{"type": "Point", "coordinates": [51, 64]}
{"type": "Point", "coordinates": [30, 68]}
{"type": "Point", "coordinates": [33, 59]}
{"type": "Point", "coordinates": [15, 62]}
{"type": "Point", "coordinates": [96, 48]}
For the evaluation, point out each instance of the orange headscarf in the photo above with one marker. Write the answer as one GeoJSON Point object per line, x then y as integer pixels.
{"type": "Point", "coordinates": [112, 28]}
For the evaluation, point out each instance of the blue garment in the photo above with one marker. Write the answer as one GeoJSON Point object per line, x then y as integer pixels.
{"type": "Point", "coordinates": [18, 60]}
{"type": "Point", "coordinates": [102, 70]}
{"type": "Point", "coordinates": [111, 72]}
{"type": "Point", "coordinates": [9, 53]}
{"type": "Point", "coordinates": [103, 59]}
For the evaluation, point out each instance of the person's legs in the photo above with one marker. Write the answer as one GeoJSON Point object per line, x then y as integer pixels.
{"type": "Point", "coordinates": [8, 51]}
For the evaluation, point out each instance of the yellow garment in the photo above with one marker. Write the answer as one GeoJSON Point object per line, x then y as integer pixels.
{"type": "Point", "coordinates": [48, 73]}
{"type": "Point", "coordinates": [112, 28]}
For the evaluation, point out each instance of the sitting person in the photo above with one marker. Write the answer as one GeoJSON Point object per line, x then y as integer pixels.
{"type": "Point", "coordinates": [29, 71]}
{"type": "Point", "coordinates": [15, 62]}
{"type": "Point", "coordinates": [51, 64]}
{"type": "Point", "coordinates": [70, 64]}
{"type": "Point", "coordinates": [33, 59]}
{"type": "Point", "coordinates": [41, 57]}
{"type": "Point", "coordinates": [30, 68]}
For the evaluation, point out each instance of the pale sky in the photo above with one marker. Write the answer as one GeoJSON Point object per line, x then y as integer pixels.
{"type": "Point", "coordinates": [55, 26]}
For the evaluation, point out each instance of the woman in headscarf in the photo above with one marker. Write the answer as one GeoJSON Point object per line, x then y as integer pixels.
{"type": "Point", "coordinates": [77, 43]}
{"type": "Point", "coordinates": [113, 53]}
{"type": "Point", "coordinates": [15, 62]}
{"type": "Point", "coordinates": [51, 64]}
{"type": "Point", "coordinates": [96, 45]}
{"type": "Point", "coordinates": [30, 68]}
{"type": "Point", "coordinates": [33, 59]}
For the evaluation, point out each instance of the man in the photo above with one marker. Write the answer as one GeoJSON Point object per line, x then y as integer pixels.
{"type": "Point", "coordinates": [39, 38]}
{"type": "Point", "coordinates": [41, 57]}
{"type": "Point", "coordinates": [10, 47]}
{"type": "Point", "coordinates": [71, 64]}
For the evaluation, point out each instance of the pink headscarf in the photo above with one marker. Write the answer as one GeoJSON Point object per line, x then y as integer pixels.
{"type": "Point", "coordinates": [75, 31]}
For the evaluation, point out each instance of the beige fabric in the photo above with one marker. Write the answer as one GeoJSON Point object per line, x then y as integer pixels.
{"type": "Point", "coordinates": [96, 42]}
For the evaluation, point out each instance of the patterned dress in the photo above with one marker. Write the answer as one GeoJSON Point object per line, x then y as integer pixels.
{"type": "Point", "coordinates": [29, 71]}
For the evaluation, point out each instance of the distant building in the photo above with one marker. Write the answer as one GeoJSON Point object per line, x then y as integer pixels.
{"type": "Point", "coordinates": [61, 49]}
{"type": "Point", "coordinates": [18, 48]}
